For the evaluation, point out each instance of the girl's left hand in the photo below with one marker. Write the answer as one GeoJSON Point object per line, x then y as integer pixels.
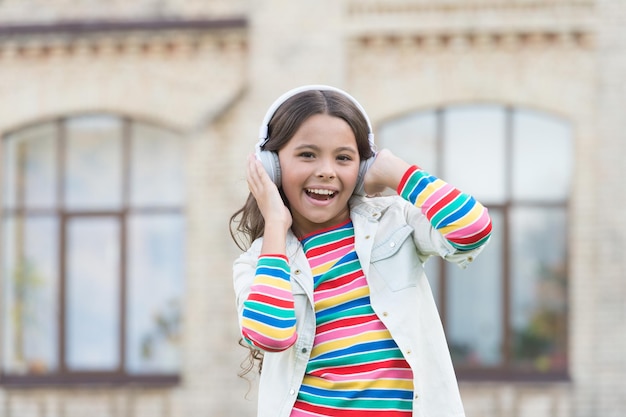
{"type": "Point", "coordinates": [386, 172]}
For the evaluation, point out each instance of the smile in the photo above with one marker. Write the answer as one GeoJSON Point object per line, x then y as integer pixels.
{"type": "Point", "coordinates": [320, 194]}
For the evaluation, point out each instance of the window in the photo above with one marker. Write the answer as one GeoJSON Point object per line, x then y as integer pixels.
{"type": "Point", "coordinates": [506, 315]}
{"type": "Point", "coordinates": [92, 252]}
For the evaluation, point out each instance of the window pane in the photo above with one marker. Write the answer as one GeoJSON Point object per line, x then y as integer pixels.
{"type": "Point", "coordinates": [93, 294]}
{"type": "Point", "coordinates": [474, 307]}
{"type": "Point", "coordinates": [94, 163]}
{"type": "Point", "coordinates": [156, 262]}
{"type": "Point", "coordinates": [544, 144]}
{"type": "Point", "coordinates": [474, 151]}
{"type": "Point", "coordinates": [413, 137]}
{"type": "Point", "coordinates": [30, 167]}
{"type": "Point", "coordinates": [539, 293]}
{"type": "Point", "coordinates": [157, 173]}
{"type": "Point", "coordinates": [30, 295]}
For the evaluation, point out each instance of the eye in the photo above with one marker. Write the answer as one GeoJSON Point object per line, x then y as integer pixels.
{"type": "Point", "coordinates": [344, 158]}
{"type": "Point", "coordinates": [306, 155]}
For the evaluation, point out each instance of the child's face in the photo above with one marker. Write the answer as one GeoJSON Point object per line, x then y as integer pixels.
{"type": "Point", "coordinates": [319, 165]}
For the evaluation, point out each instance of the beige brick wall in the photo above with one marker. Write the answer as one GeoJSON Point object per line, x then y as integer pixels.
{"type": "Point", "coordinates": [601, 368]}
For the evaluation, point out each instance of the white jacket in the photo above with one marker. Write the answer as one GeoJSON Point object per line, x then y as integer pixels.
{"type": "Point", "coordinates": [393, 239]}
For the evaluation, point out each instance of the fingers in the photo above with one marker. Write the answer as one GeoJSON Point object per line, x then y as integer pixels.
{"type": "Point", "coordinates": [266, 194]}
{"type": "Point", "coordinates": [254, 175]}
{"type": "Point", "coordinates": [259, 182]}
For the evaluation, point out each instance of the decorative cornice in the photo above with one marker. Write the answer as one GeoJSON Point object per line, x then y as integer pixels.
{"type": "Point", "coordinates": [473, 22]}
{"type": "Point", "coordinates": [476, 40]}
{"type": "Point", "coordinates": [158, 37]}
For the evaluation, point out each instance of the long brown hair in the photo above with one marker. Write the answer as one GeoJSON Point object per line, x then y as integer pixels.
{"type": "Point", "coordinates": [247, 223]}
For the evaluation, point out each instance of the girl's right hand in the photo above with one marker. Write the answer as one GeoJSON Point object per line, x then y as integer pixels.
{"type": "Point", "coordinates": [275, 214]}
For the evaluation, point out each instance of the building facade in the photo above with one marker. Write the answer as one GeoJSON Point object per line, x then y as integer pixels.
{"type": "Point", "coordinates": [125, 128]}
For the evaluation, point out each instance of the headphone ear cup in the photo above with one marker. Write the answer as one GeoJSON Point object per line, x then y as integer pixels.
{"type": "Point", "coordinates": [270, 162]}
{"type": "Point", "coordinates": [360, 181]}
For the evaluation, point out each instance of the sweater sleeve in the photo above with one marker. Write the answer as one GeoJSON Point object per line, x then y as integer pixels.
{"type": "Point", "coordinates": [268, 318]}
{"type": "Point", "coordinates": [462, 220]}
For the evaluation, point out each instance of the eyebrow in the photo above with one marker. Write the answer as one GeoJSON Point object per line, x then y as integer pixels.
{"type": "Point", "coordinates": [317, 148]}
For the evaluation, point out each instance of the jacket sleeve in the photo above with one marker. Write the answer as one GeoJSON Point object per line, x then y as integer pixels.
{"type": "Point", "coordinates": [265, 302]}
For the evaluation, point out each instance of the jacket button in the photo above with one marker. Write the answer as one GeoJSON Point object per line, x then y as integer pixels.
{"type": "Point", "coordinates": [392, 244]}
{"type": "Point", "coordinates": [303, 350]}
{"type": "Point", "coordinates": [297, 272]}
{"type": "Point", "coordinates": [367, 237]}
{"type": "Point", "coordinates": [385, 314]}
{"type": "Point", "coordinates": [375, 214]}
{"type": "Point", "coordinates": [291, 392]}
{"type": "Point", "coordinates": [416, 396]}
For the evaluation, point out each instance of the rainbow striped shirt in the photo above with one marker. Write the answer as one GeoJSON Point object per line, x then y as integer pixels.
{"type": "Point", "coordinates": [355, 368]}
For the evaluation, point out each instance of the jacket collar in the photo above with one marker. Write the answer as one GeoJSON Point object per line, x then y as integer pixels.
{"type": "Point", "coordinates": [361, 208]}
{"type": "Point", "coordinates": [365, 213]}
{"type": "Point", "coordinates": [370, 208]}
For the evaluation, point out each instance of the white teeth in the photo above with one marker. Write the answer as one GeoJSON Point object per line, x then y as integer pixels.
{"type": "Point", "coordinates": [320, 191]}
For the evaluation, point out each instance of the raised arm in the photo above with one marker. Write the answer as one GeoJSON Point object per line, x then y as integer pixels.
{"type": "Point", "coordinates": [461, 219]}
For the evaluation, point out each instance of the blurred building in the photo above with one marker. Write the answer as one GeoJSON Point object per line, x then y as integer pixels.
{"type": "Point", "coordinates": [125, 127]}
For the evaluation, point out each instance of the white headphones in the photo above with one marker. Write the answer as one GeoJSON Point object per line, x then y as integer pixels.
{"type": "Point", "coordinates": [269, 159]}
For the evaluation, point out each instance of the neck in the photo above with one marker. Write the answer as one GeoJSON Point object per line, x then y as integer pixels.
{"type": "Point", "coordinates": [303, 227]}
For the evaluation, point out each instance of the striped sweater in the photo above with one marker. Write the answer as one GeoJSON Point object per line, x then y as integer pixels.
{"type": "Point", "coordinates": [355, 367]}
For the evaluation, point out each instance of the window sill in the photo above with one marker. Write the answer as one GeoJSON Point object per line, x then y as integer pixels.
{"type": "Point", "coordinates": [89, 380]}
{"type": "Point", "coordinates": [510, 375]}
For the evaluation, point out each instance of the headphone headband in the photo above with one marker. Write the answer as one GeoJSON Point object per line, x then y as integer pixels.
{"type": "Point", "coordinates": [264, 129]}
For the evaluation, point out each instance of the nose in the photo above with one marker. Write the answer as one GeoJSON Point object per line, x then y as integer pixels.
{"type": "Point", "coordinates": [326, 169]}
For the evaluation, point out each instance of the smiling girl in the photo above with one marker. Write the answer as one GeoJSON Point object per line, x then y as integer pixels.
{"type": "Point", "coordinates": [331, 290]}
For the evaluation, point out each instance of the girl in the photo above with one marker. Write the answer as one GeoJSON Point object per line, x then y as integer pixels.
{"type": "Point", "coordinates": [331, 289]}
